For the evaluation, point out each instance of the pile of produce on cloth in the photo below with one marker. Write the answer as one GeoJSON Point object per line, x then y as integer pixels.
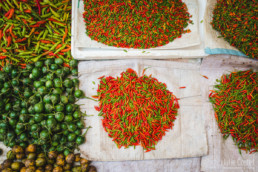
{"type": "Point", "coordinates": [136, 110]}
{"type": "Point", "coordinates": [236, 21]}
{"type": "Point", "coordinates": [135, 24]}
{"type": "Point", "coordinates": [235, 102]}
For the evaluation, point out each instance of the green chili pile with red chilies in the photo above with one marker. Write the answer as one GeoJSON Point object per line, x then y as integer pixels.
{"type": "Point", "coordinates": [138, 24]}
{"type": "Point", "coordinates": [31, 30]}
{"type": "Point", "coordinates": [136, 110]}
{"type": "Point", "coordinates": [235, 102]}
{"type": "Point", "coordinates": [236, 21]}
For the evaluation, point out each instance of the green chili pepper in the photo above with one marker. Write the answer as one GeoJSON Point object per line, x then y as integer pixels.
{"type": "Point", "coordinates": [54, 13]}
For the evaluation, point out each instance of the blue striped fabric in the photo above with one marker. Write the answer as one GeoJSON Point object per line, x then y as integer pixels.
{"type": "Point", "coordinates": [223, 51]}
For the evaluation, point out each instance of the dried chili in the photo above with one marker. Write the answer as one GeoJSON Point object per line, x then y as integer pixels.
{"type": "Point", "coordinates": [236, 21]}
{"type": "Point", "coordinates": [136, 110]}
{"type": "Point", "coordinates": [135, 24]}
{"type": "Point", "coordinates": [235, 102]}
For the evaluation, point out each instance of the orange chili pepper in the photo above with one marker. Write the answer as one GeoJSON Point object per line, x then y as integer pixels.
{"type": "Point", "coordinates": [45, 41]}
{"type": "Point", "coordinates": [66, 65]}
{"type": "Point", "coordinates": [9, 40]}
{"type": "Point", "coordinates": [11, 32]}
{"type": "Point", "coordinates": [66, 32]}
{"type": "Point", "coordinates": [66, 50]}
{"type": "Point", "coordinates": [58, 46]}
{"type": "Point", "coordinates": [27, 11]}
{"type": "Point", "coordinates": [205, 76]}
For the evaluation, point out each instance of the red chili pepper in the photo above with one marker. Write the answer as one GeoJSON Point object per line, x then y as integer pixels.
{"type": "Point", "coordinates": [41, 22]}
{"type": "Point", "coordinates": [101, 77]}
{"type": "Point", "coordinates": [1, 34]}
{"type": "Point", "coordinates": [97, 108]}
{"type": "Point", "coordinates": [38, 4]}
{"type": "Point", "coordinates": [7, 14]}
{"type": "Point", "coordinates": [35, 25]}
{"type": "Point", "coordinates": [10, 13]}
{"type": "Point", "coordinates": [205, 76]}
{"type": "Point", "coordinates": [20, 40]}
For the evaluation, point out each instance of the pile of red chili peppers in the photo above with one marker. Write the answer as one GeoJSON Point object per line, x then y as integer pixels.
{"type": "Point", "coordinates": [31, 30]}
{"type": "Point", "coordinates": [136, 110]}
{"type": "Point", "coordinates": [236, 108]}
{"type": "Point", "coordinates": [236, 20]}
{"type": "Point", "coordinates": [135, 24]}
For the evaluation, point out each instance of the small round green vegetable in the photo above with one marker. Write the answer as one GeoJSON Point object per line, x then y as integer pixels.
{"type": "Point", "coordinates": [71, 137]}
{"type": "Point", "coordinates": [64, 99]}
{"type": "Point", "coordinates": [59, 108]}
{"type": "Point", "coordinates": [49, 84]}
{"type": "Point", "coordinates": [59, 61]}
{"type": "Point", "coordinates": [51, 123]}
{"type": "Point", "coordinates": [44, 134]}
{"type": "Point", "coordinates": [36, 73]}
{"type": "Point", "coordinates": [78, 93]}
{"type": "Point", "coordinates": [80, 140]}
{"type": "Point", "coordinates": [59, 116]}
{"type": "Point", "coordinates": [72, 127]}
{"type": "Point", "coordinates": [68, 83]}
{"type": "Point", "coordinates": [57, 82]}
{"type": "Point", "coordinates": [73, 63]}
{"type": "Point", "coordinates": [38, 117]}
{"type": "Point", "coordinates": [68, 118]}
{"type": "Point", "coordinates": [47, 99]}
{"type": "Point", "coordinates": [39, 107]}
{"type": "Point", "coordinates": [39, 64]}
{"type": "Point", "coordinates": [74, 72]}
{"type": "Point", "coordinates": [55, 98]}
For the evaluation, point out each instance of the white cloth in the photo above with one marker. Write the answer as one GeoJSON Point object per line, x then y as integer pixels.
{"type": "Point", "coordinates": [83, 48]}
{"type": "Point", "coordinates": [188, 136]}
{"type": "Point", "coordinates": [223, 154]}
{"type": "Point", "coordinates": [213, 44]}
